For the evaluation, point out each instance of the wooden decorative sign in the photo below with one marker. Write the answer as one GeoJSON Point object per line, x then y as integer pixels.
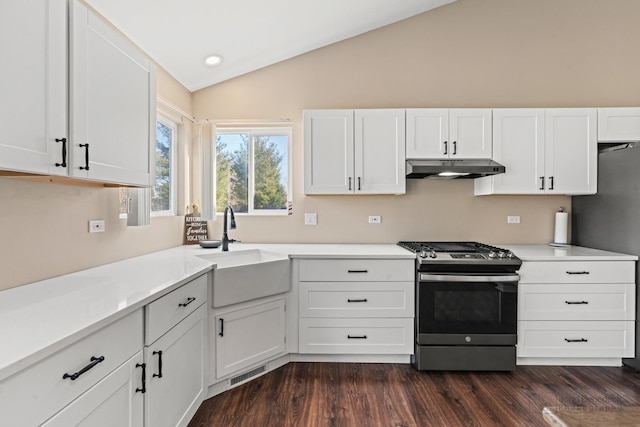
{"type": "Point", "coordinates": [195, 228]}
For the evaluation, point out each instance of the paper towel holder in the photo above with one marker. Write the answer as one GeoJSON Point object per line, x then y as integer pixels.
{"type": "Point", "coordinates": [560, 239]}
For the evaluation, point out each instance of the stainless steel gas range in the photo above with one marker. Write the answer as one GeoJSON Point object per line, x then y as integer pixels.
{"type": "Point", "coordinates": [466, 306]}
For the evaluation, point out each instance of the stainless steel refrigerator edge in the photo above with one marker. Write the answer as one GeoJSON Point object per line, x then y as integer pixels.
{"type": "Point", "coordinates": [610, 219]}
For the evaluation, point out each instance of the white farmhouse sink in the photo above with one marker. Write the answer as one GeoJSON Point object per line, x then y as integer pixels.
{"type": "Point", "coordinates": [248, 274]}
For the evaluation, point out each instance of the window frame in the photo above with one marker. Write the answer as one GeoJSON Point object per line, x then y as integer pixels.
{"type": "Point", "coordinates": [252, 132]}
{"type": "Point", "coordinates": [173, 164]}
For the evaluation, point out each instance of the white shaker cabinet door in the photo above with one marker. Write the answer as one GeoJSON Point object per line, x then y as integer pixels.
{"type": "Point", "coordinates": [33, 87]}
{"type": "Point", "coordinates": [570, 151]}
{"type": "Point", "coordinates": [470, 133]}
{"type": "Point", "coordinates": [112, 99]}
{"type": "Point", "coordinates": [328, 152]}
{"type": "Point", "coordinates": [427, 133]}
{"type": "Point", "coordinates": [621, 124]}
{"type": "Point", "coordinates": [379, 151]}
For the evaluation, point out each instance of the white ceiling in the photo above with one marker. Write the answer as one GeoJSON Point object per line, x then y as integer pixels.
{"type": "Point", "coordinates": [249, 34]}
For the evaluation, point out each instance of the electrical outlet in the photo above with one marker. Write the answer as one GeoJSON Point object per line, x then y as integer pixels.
{"type": "Point", "coordinates": [310, 219]}
{"type": "Point", "coordinates": [96, 226]}
{"type": "Point", "coordinates": [375, 219]}
{"type": "Point", "coordinates": [513, 219]}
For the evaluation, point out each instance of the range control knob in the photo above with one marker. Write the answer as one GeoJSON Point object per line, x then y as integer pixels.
{"type": "Point", "coordinates": [423, 254]}
{"type": "Point", "coordinates": [492, 254]}
{"type": "Point", "coordinates": [501, 254]}
{"type": "Point", "coordinates": [509, 254]}
{"type": "Point", "coordinates": [433, 254]}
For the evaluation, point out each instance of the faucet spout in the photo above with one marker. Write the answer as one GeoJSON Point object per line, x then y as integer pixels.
{"type": "Point", "coordinates": [225, 237]}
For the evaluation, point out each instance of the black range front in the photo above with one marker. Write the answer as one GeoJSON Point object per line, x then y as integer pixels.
{"type": "Point", "coordinates": [466, 307]}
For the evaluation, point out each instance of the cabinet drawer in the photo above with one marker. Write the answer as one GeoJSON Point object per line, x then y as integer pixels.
{"type": "Point", "coordinates": [356, 336]}
{"type": "Point", "coordinates": [614, 301]}
{"type": "Point", "coordinates": [356, 299]}
{"type": "Point", "coordinates": [577, 272]}
{"type": "Point", "coordinates": [167, 311]}
{"type": "Point", "coordinates": [357, 270]}
{"type": "Point", "coordinates": [576, 339]}
{"type": "Point", "coordinates": [33, 395]}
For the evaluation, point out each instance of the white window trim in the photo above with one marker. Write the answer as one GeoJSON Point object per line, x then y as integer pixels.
{"type": "Point", "coordinates": [173, 172]}
{"type": "Point", "coordinates": [251, 131]}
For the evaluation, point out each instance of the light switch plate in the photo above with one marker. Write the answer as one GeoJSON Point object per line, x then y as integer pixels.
{"type": "Point", "coordinates": [513, 219]}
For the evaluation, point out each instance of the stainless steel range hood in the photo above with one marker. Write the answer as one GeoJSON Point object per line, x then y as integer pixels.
{"type": "Point", "coordinates": [452, 169]}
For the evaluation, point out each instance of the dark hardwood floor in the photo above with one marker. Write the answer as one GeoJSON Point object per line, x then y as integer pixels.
{"type": "Point", "coordinates": [368, 395]}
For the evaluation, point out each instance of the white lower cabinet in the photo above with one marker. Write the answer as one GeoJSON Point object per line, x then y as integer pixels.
{"type": "Point", "coordinates": [356, 306]}
{"type": "Point", "coordinates": [117, 400]}
{"type": "Point", "coordinates": [576, 312]}
{"type": "Point", "coordinates": [175, 372]}
{"type": "Point", "coordinates": [82, 373]}
{"type": "Point", "coordinates": [247, 334]}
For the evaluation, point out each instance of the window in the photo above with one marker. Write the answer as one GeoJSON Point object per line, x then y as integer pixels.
{"type": "Point", "coordinates": [253, 170]}
{"type": "Point", "coordinates": [163, 192]}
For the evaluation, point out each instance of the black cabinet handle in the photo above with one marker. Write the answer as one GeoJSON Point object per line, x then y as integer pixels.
{"type": "Point", "coordinates": [455, 148]}
{"type": "Point", "coordinates": [221, 333]}
{"type": "Point", "coordinates": [542, 183]}
{"type": "Point", "coordinates": [576, 340]}
{"type": "Point", "coordinates": [64, 152]}
{"type": "Point", "coordinates": [357, 271]}
{"type": "Point", "coordinates": [550, 183]}
{"type": "Point", "coordinates": [357, 337]}
{"type": "Point", "coordinates": [86, 157]}
{"type": "Point", "coordinates": [189, 301]}
{"type": "Point", "coordinates": [356, 300]}
{"type": "Point", "coordinates": [142, 390]}
{"type": "Point", "coordinates": [349, 183]}
{"type": "Point", "coordinates": [445, 147]}
{"type": "Point", "coordinates": [159, 374]}
{"type": "Point", "coordinates": [359, 186]}
{"type": "Point", "coordinates": [576, 302]}
{"type": "Point", "coordinates": [94, 362]}
{"type": "Point", "coordinates": [577, 272]}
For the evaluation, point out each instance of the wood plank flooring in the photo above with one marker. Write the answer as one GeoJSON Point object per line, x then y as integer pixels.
{"type": "Point", "coordinates": [372, 395]}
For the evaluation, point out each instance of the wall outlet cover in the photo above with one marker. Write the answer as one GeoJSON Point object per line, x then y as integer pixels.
{"type": "Point", "coordinates": [310, 219]}
{"type": "Point", "coordinates": [96, 226]}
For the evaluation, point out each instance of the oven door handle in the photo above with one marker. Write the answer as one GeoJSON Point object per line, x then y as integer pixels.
{"type": "Point", "coordinates": [427, 277]}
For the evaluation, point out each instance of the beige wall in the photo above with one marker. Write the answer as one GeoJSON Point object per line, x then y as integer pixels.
{"type": "Point", "coordinates": [490, 53]}
{"type": "Point", "coordinates": [44, 226]}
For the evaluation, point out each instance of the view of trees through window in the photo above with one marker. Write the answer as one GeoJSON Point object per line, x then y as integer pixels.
{"type": "Point", "coordinates": [161, 191]}
{"type": "Point", "coordinates": [252, 172]}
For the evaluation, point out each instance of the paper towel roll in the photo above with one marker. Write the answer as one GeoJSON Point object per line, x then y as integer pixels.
{"type": "Point", "coordinates": [562, 228]}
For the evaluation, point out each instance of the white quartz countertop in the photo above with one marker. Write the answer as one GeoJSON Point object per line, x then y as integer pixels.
{"type": "Point", "coordinates": [569, 253]}
{"type": "Point", "coordinates": [41, 318]}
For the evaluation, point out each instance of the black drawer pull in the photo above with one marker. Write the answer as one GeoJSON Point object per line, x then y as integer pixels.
{"type": "Point", "coordinates": [356, 300]}
{"type": "Point", "coordinates": [189, 301]}
{"type": "Point", "coordinates": [357, 271]}
{"type": "Point", "coordinates": [159, 374]}
{"type": "Point", "coordinates": [142, 390]}
{"type": "Point", "coordinates": [576, 302]}
{"type": "Point", "coordinates": [221, 333]}
{"type": "Point", "coordinates": [576, 340]}
{"type": "Point", "coordinates": [86, 157]}
{"type": "Point", "coordinates": [94, 362]}
{"type": "Point", "coordinates": [577, 272]}
{"type": "Point", "coordinates": [64, 152]}
{"type": "Point", "coordinates": [357, 337]}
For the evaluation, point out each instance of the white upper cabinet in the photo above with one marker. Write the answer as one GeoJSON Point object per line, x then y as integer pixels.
{"type": "Point", "coordinates": [354, 152]}
{"type": "Point", "coordinates": [544, 151]}
{"type": "Point", "coordinates": [33, 87]}
{"type": "Point", "coordinates": [618, 124]}
{"type": "Point", "coordinates": [112, 103]}
{"type": "Point", "coordinates": [461, 133]}
{"type": "Point", "coordinates": [571, 151]}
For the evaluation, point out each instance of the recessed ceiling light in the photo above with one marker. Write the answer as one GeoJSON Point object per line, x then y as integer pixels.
{"type": "Point", "coordinates": [213, 60]}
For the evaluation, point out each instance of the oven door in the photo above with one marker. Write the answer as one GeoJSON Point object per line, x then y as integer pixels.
{"type": "Point", "coordinates": [466, 309]}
